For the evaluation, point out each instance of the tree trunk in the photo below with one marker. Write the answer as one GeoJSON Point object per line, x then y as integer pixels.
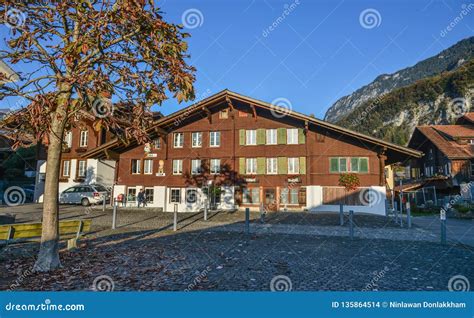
{"type": "Point", "coordinates": [48, 257]}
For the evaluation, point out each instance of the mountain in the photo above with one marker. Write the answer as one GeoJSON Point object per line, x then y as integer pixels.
{"type": "Point", "coordinates": [439, 99]}
{"type": "Point", "coordinates": [447, 60]}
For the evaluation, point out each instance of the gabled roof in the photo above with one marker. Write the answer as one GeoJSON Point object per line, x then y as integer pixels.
{"type": "Point", "coordinates": [455, 131]}
{"type": "Point", "coordinates": [228, 96]}
{"type": "Point", "coordinates": [467, 118]}
{"type": "Point", "coordinates": [449, 147]}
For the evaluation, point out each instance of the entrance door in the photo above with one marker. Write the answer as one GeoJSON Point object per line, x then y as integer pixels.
{"type": "Point", "coordinates": [270, 200]}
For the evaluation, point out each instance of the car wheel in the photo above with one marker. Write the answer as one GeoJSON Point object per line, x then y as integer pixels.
{"type": "Point", "coordinates": [85, 202]}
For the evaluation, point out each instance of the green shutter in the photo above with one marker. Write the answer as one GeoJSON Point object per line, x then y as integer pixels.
{"type": "Point", "coordinates": [242, 137]}
{"type": "Point", "coordinates": [241, 165]}
{"type": "Point", "coordinates": [261, 136]}
{"type": "Point", "coordinates": [334, 166]}
{"type": "Point", "coordinates": [282, 165]}
{"type": "Point", "coordinates": [363, 165]}
{"type": "Point", "coordinates": [301, 136]}
{"type": "Point", "coordinates": [302, 165]}
{"type": "Point", "coordinates": [260, 165]}
{"type": "Point", "coordinates": [281, 136]}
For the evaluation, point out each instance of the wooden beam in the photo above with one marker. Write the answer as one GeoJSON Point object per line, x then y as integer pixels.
{"type": "Point", "coordinates": [209, 114]}
{"type": "Point", "coordinates": [111, 155]}
{"type": "Point", "coordinates": [306, 127]}
{"type": "Point", "coordinates": [160, 131]}
{"type": "Point", "coordinates": [229, 103]}
{"type": "Point", "coordinates": [254, 111]}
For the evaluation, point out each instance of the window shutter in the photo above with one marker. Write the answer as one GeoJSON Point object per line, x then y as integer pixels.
{"type": "Point", "coordinates": [242, 137]}
{"type": "Point", "coordinates": [302, 165]}
{"type": "Point", "coordinates": [260, 165]}
{"type": "Point", "coordinates": [364, 165]}
{"type": "Point", "coordinates": [260, 136]}
{"type": "Point", "coordinates": [301, 136]}
{"type": "Point", "coordinates": [241, 165]}
{"type": "Point", "coordinates": [334, 165]}
{"type": "Point", "coordinates": [281, 136]}
{"type": "Point", "coordinates": [282, 165]}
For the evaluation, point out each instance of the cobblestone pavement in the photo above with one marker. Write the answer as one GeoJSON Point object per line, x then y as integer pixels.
{"type": "Point", "coordinates": [217, 260]}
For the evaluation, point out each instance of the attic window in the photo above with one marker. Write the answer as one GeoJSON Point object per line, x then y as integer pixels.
{"type": "Point", "coordinates": [242, 114]}
{"type": "Point", "coordinates": [224, 114]}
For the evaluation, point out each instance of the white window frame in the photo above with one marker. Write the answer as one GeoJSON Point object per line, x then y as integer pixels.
{"type": "Point", "coordinates": [292, 136]}
{"type": "Point", "coordinates": [250, 165]}
{"type": "Point", "coordinates": [139, 166]}
{"type": "Point", "coordinates": [68, 139]}
{"type": "Point", "coordinates": [196, 139]}
{"type": "Point", "coordinates": [147, 169]}
{"type": "Point", "coordinates": [214, 139]}
{"type": "Point", "coordinates": [79, 174]}
{"type": "Point", "coordinates": [178, 140]}
{"type": "Point", "coordinates": [157, 143]}
{"type": "Point", "coordinates": [171, 195]}
{"type": "Point", "coordinates": [251, 137]}
{"type": "Point", "coordinates": [177, 167]}
{"type": "Point", "coordinates": [68, 168]}
{"type": "Point", "coordinates": [196, 166]}
{"type": "Point", "coordinates": [271, 136]}
{"type": "Point", "coordinates": [83, 140]}
{"type": "Point", "coordinates": [272, 166]}
{"type": "Point", "coordinates": [293, 165]}
{"type": "Point", "coordinates": [213, 166]}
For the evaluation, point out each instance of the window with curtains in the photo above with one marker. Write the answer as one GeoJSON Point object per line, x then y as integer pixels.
{"type": "Point", "coordinates": [215, 166]}
{"type": "Point", "coordinates": [293, 165]}
{"type": "Point", "coordinates": [66, 168]}
{"type": "Point", "coordinates": [349, 164]}
{"type": "Point", "coordinates": [195, 166]}
{"type": "Point", "coordinates": [196, 139]}
{"type": "Point", "coordinates": [178, 140]}
{"type": "Point", "coordinates": [81, 168]}
{"type": "Point", "coordinates": [177, 166]}
{"type": "Point", "coordinates": [68, 139]}
{"type": "Point", "coordinates": [148, 166]}
{"type": "Point", "coordinates": [251, 165]}
{"type": "Point", "coordinates": [272, 166]}
{"type": "Point", "coordinates": [214, 139]}
{"type": "Point", "coordinates": [83, 138]}
{"type": "Point", "coordinates": [292, 136]}
{"type": "Point", "coordinates": [135, 166]}
{"type": "Point", "coordinates": [251, 137]}
{"type": "Point", "coordinates": [271, 135]}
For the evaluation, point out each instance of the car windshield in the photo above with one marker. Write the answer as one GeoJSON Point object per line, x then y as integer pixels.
{"type": "Point", "coordinates": [100, 188]}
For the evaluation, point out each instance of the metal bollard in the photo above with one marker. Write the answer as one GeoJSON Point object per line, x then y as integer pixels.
{"type": "Point", "coordinates": [408, 215]}
{"type": "Point", "coordinates": [442, 217]}
{"type": "Point", "coordinates": [175, 218]}
{"type": "Point", "coordinates": [247, 220]}
{"type": "Point", "coordinates": [351, 224]}
{"type": "Point", "coordinates": [205, 211]}
{"type": "Point", "coordinates": [103, 204]}
{"type": "Point", "coordinates": [114, 215]}
{"type": "Point", "coordinates": [341, 214]}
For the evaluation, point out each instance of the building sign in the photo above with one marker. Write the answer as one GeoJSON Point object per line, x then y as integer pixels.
{"type": "Point", "coordinates": [294, 180]}
{"type": "Point", "coordinates": [151, 155]}
{"type": "Point", "coordinates": [250, 180]}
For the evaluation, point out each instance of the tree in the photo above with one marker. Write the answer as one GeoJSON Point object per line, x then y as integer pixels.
{"type": "Point", "coordinates": [109, 59]}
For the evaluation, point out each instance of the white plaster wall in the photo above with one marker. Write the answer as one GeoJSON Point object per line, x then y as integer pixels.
{"type": "Point", "coordinates": [376, 205]}
{"type": "Point", "coordinates": [227, 199]}
{"type": "Point", "coordinates": [105, 172]}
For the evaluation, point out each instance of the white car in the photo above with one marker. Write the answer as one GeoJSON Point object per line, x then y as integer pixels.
{"type": "Point", "coordinates": [84, 195]}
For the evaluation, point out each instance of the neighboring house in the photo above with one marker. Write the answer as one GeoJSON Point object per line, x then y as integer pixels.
{"type": "Point", "coordinates": [449, 154]}
{"type": "Point", "coordinates": [237, 152]}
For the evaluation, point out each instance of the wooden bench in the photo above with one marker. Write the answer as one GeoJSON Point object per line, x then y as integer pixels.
{"type": "Point", "coordinates": [72, 229]}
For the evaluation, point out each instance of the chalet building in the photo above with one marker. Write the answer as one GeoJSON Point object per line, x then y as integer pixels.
{"type": "Point", "coordinates": [76, 170]}
{"type": "Point", "coordinates": [233, 152]}
{"type": "Point", "coordinates": [449, 153]}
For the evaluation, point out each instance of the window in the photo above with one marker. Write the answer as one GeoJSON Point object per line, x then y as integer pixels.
{"type": "Point", "coordinates": [243, 114]}
{"type": "Point", "coordinates": [215, 139]}
{"type": "Point", "coordinates": [68, 139]}
{"type": "Point", "coordinates": [131, 194]}
{"type": "Point", "coordinates": [177, 166]}
{"type": "Point", "coordinates": [293, 165]}
{"type": "Point", "coordinates": [251, 166]}
{"type": "Point", "coordinates": [351, 164]}
{"type": "Point", "coordinates": [175, 196]}
{"type": "Point", "coordinates": [250, 137]}
{"type": "Point", "coordinates": [83, 139]}
{"type": "Point", "coordinates": [66, 168]}
{"type": "Point", "coordinates": [289, 196]}
{"type": "Point", "coordinates": [272, 166]}
{"type": "Point", "coordinates": [196, 139]}
{"type": "Point", "coordinates": [136, 166]}
{"type": "Point", "coordinates": [224, 114]}
{"type": "Point", "coordinates": [271, 136]}
{"type": "Point", "coordinates": [215, 166]}
{"type": "Point", "coordinates": [157, 143]}
{"type": "Point", "coordinates": [195, 166]}
{"type": "Point", "coordinates": [292, 136]}
{"type": "Point", "coordinates": [149, 195]}
{"type": "Point", "coordinates": [81, 168]}
{"type": "Point", "coordinates": [178, 140]}
{"type": "Point", "coordinates": [251, 195]}
{"type": "Point", "coordinates": [148, 166]}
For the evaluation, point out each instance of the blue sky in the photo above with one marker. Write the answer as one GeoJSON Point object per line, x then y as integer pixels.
{"type": "Point", "coordinates": [318, 53]}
